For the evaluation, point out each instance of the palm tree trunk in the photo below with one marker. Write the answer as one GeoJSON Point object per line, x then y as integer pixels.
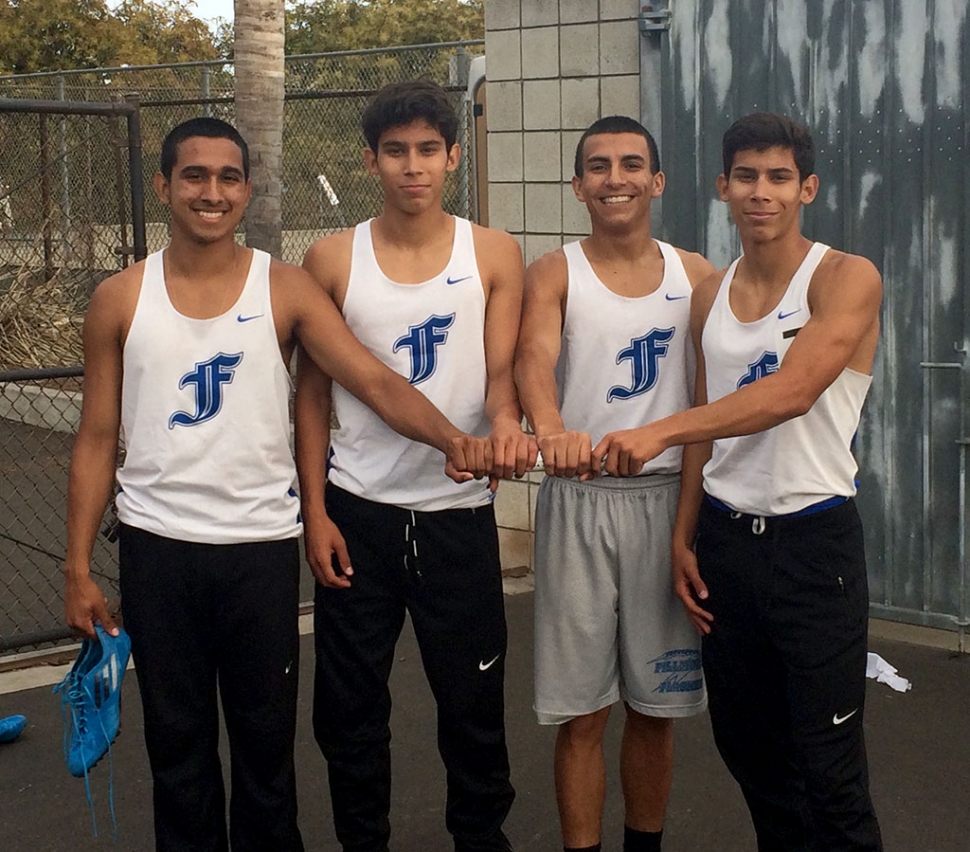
{"type": "Point", "coordinates": [259, 89]}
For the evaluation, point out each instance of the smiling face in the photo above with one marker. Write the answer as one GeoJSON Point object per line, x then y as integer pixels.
{"type": "Point", "coordinates": [765, 193]}
{"type": "Point", "coordinates": [412, 162]}
{"type": "Point", "coordinates": [208, 191]}
{"type": "Point", "coordinates": [618, 182]}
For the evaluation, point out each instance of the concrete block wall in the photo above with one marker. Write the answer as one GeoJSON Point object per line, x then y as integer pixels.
{"type": "Point", "coordinates": [554, 67]}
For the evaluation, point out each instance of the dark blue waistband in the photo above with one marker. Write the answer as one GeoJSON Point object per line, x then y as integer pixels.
{"type": "Point", "coordinates": [821, 506]}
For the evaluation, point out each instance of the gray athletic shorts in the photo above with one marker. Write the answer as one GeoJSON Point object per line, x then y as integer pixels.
{"type": "Point", "coordinates": [607, 622]}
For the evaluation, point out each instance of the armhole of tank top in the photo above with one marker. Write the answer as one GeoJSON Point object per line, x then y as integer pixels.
{"type": "Point", "coordinates": [570, 251]}
{"type": "Point", "coordinates": [673, 262]}
{"type": "Point", "coordinates": [151, 265]}
{"type": "Point", "coordinates": [260, 271]}
{"type": "Point", "coordinates": [361, 252]}
{"type": "Point", "coordinates": [820, 250]}
{"type": "Point", "coordinates": [466, 240]}
{"type": "Point", "coordinates": [719, 297]}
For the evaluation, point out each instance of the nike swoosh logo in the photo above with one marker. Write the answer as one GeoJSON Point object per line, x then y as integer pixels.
{"type": "Point", "coordinates": [457, 280]}
{"type": "Point", "coordinates": [289, 665]}
{"type": "Point", "coordinates": [670, 298]}
{"type": "Point", "coordinates": [483, 666]}
{"type": "Point", "coordinates": [838, 720]}
{"type": "Point", "coordinates": [782, 315]}
{"type": "Point", "coordinates": [241, 318]}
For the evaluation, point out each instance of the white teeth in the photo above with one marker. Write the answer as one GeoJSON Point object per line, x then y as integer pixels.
{"type": "Point", "coordinates": [210, 214]}
{"type": "Point", "coordinates": [617, 199]}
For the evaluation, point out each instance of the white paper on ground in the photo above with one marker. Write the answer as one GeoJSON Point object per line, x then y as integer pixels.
{"type": "Point", "coordinates": [880, 671]}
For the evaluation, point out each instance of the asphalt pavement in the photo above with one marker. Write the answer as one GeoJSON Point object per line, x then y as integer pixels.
{"type": "Point", "coordinates": [919, 749]}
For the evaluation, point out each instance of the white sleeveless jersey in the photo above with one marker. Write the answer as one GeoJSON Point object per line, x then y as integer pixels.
{"type": "Point", "coordinates": [795, 464]}
{"type": "Point", "coordinates": [625, 362]}
{"type": "Point", "coordinates": [431, 333]}
{"type": "Point", "coordinates": [205, 416]}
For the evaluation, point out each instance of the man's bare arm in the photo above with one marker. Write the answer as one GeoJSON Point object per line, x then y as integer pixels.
{"type": "Point", "coordinates": [688, 585]}
{"type": "Point", "coordinates": [564, 453]}
{"type": "Point", "coordinates": [844, 323]}
{"type": "Point", "coordinates": [299, 303]}
{"type": "Point", "coordinates": [513, 452]}
{"type": "Point", "coordinates": [326, 261]}
{"type": "Point", "coordinates": [94, 457]}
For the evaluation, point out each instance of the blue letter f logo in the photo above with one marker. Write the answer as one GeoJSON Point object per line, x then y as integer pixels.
{"type": "Point", "coordinates": [208, 378]}
{"type": "Point", "coordinates": [423, 340]}
{"type": "Point", "coordinates": [765, 365]}
{"type": "Point", "coordinates": [645, 353]}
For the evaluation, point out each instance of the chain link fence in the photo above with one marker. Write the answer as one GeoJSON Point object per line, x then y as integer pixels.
{"type": "Point", "coordinates": [69, 211]}
{"type": "Point", "coordinates": [67, 221]}
{"type": "Point", "coordinates": [325, 185]}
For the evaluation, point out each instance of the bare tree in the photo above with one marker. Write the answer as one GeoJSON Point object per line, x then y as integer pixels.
{"type": "Point", "coordinates": [259, 89]}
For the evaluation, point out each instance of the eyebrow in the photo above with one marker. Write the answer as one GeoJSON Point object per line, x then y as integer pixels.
{"type": "Point", "coordinates": [746, 171]}
{"type": "Point", "coordinates": [195, 167]}
{"type": "Point", "coordinates": [626, 158]}
{"type": "Point", "coordinates": [421, 143]}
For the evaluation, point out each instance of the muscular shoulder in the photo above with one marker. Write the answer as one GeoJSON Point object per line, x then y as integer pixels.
{"type": "Point", "coordinates": [550, 270]}
{"type": "Point", "coordinates": [841, 275]}
{"type": "Point", "coordinates": [114, 300]}
{"type": "Point", "coordinates": [840, 266]}
{"type": "Point", "coordinates": [288, 276]}
{"type": "Point", "coordinates": [705, 290]}
{"type": "Point", "coordinates": [328, 260]}
{"type": "Point", "coordinates": [499, 260]}
{"type": "Point", "coordinates": [492, 242]}
{"type": "Point", "coordinates": [696, 266]}
{"type": "Point", "coordinates": [496, 251]}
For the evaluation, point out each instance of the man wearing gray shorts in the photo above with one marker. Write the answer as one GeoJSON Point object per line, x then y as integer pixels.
{"type": "Point", "coordinates": [605, 345]}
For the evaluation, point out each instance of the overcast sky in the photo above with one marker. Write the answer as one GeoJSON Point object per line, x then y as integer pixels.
{"type": "Point", "coordinates": [207, 10]}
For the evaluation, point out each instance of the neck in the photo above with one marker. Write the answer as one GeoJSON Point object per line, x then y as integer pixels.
{"type": "Point", "coordinates": [411, 229]}
{"type": "Point", "coordinates": [775, 261]}
{"type": "Point", "coordinates": [631, 245]}
{"type": "Point", "coordinates": [204, 262]}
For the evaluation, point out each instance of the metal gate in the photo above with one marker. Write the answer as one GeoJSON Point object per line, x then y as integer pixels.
{"type": "Point", "coordinates": [53, 154]}
{"type": "Point", "coordinates": [885, 87]}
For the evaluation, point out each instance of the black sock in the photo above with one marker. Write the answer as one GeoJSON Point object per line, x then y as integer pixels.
{"type": "Point", "coordinates": [641, 841]}
{"type": "Point", "coordinates": [594, 848]}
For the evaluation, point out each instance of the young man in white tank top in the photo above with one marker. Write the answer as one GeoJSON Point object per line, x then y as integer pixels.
{"type": "Point", "coordinates": [768, 547]}
{"type": "Point", "coordinates": [437, 299]}
{"type": "Point", "coordinates": [605, 344]}
{"type": "Point", "coordinates": [187, 353]}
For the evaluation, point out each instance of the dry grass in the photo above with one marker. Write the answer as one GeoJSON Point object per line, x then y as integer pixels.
{"type": "Point", "coordinates": [40, 320]}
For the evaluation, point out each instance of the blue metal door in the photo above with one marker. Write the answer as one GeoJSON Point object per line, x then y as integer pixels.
{"type": "Point", "coordinates": [885, 87]}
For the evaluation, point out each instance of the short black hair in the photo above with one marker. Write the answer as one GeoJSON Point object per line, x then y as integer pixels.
{"type": "Point", "coordinates": [760, 131]}
{"type": "Point", "coordinates": [617, 124]}
{"type": "Point", "coordinates": [210, 128]}
{"type": "Point", "coordinates": [400, 104]}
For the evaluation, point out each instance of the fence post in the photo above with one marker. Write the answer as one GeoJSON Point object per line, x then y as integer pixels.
{"type": "Point", "coordinates": [117, 142]}
{"type": "Point", "coordinates": [207, 107]}
{"type": "Point", "coordinates": [45, 198]}
{"type": "Point", "coordinates": [65, 175]}
{"type": "Point", "coordinates": [136, 177]}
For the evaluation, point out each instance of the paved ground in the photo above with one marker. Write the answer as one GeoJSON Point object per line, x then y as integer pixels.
{"type": "Point", "coordinates": [918, 743]}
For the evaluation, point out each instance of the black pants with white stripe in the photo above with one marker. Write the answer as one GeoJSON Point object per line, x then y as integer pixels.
{"type": "Point", "coordinates": [443, 569]}
{"type": "Point", "coordinates": [207, 620]}
{"type": "Point", "coordinates": [785, 665]}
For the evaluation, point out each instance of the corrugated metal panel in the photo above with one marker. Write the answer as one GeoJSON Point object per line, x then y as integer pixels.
{"type": "Point", "coordinates": [885, 87]}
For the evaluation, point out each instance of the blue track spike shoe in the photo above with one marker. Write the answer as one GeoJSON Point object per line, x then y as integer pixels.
{"type": "Point", "coordinates": [91, 699]}
{"type": "Point", "coordinates": [11, 728]}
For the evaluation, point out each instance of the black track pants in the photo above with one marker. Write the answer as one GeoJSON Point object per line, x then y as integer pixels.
{"type": "Point", "coordinates": [443, 568]}
{"type": "Point", "coordinates": [785, 664]}
{"type": "Point", "coordinates": [208, 620]}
